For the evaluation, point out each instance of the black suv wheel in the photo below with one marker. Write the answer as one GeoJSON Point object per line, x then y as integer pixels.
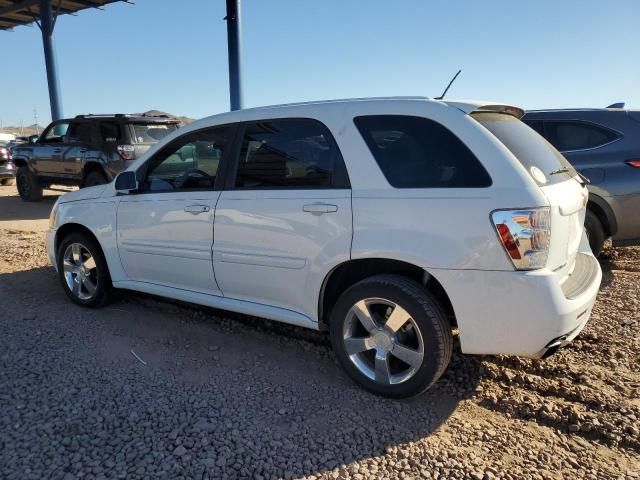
{"type": "Point", "coordinates": [28, 187]}
{"type": "Point", "coordinates": [94, 178]}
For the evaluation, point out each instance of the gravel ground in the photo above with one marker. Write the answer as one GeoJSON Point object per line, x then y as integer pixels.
{"type": "Point", "coordinates": [229, 396]}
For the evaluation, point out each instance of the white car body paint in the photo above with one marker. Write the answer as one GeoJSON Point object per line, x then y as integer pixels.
{"type": "Point", "coordinates": [269, 257]}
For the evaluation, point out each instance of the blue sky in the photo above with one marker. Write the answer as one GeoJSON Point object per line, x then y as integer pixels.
{"type": "Point", "coordinates": [171, 54]}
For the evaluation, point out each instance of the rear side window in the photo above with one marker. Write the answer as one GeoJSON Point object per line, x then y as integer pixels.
{"type": "Point", "coordinates": [415, 152]}
{"type": "Point", "coordinates": [110, 132]}
{"type": "Point", "coordinates": [541, 159]}
{"type": "Point", "coordinates": [291, 153]}
{"type": "Point", "coordinates": [152, 132]}
{"type": "Point", "coordinates": [79, 133]}
{"type": "Point", "coordinates": [576, 135]}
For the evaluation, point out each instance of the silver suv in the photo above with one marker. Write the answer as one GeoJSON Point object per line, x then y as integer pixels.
{"type": "Point", "coordinates": [604, 145]}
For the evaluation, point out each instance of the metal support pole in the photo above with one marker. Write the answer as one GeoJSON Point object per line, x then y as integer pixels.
{"type": "Point", "coordinates": [47, 24]}
{"type": "Point", "coordinates": [234, 44]}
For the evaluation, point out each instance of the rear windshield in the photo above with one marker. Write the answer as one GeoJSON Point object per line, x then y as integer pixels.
{"type": "Point", "coordinates": [543, 162]}
{"type": "Point", "coordinates": [151, 132]}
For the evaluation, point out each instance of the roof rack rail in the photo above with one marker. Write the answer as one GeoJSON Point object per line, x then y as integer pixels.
{"type": "Point", "coordinates": [90, 115]}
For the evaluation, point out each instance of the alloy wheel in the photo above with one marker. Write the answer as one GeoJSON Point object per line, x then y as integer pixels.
{"type": "Point", "coordinates": [383, 341]}
{"type": "Point", "coordinates": [80, 271]}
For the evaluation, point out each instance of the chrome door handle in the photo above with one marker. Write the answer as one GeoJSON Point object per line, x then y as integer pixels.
{"type": "Point", "coordinates": [320, 208]}
{"type": "Point", "coordinates": [196, 209]}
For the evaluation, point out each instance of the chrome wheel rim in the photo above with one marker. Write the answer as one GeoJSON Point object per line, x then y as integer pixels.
{"type": "Point", "coordinates": [383, 341]}
{"type": "Point", "coordinates": [80, 272]}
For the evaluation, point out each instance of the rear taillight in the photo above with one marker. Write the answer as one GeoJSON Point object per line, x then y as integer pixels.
{"type": "Point", "coordinates": [525, 236]}
{"type": "Point", "coordinates": [633, 163]}
{"type": "Point", "coordinates": [126, 152]}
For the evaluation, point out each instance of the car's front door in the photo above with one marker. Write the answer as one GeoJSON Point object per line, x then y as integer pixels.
{"type": "Point", "coordinates": [165, 231]}
{"type": "Point", "coordinates": [48, 151]}
{"type": "Point", "coordinates": [285, 217]}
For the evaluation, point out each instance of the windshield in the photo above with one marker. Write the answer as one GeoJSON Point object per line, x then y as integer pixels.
{"type": "Point", "coordinates": [543, 162]}
{"type": "Point", "coordinates": [151, 132]}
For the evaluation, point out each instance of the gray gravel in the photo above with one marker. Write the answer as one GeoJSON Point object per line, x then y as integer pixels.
{"type": "Point", "coordinates": [227, 396]}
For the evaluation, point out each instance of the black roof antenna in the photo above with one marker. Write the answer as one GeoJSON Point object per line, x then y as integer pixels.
{"type": "Point", "coordinates": [448, 86]}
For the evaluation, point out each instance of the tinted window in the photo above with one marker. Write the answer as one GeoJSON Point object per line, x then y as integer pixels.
{"type": "Point", "coordinates": [528, 147]}
{"type": "Point", "coordinates": [110, 132]}
{"type": "Point", "coordinates": [152, 132]}
{"type": "Point", "coordinates": [288, 154]}
{"type": "Point", "coordinates": [577, 135]}
{"type": "Point", "coordinates": [79, 133]}
{"type": "Point", "coordinates": [190, 162]}
{"type": "Point", "coordinates": [414, 152]}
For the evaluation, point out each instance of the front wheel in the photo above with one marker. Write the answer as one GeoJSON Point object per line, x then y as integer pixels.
{"type": "Point", "coordinates": [83, 271]}
{"type": "Point", "coordinates": [28, 187]}
{"type": "Point", "coordinates": [391, 336]}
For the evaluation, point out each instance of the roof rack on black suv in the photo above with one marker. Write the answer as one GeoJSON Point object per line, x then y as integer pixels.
{"type": "Point", "coordinates": [86, 150]}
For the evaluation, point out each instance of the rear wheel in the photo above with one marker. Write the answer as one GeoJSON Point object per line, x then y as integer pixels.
{"type": "Point", "coordinates": [94, 178]}
{"type": "Point", "coordinates": [391, 336]}
{"type": "Point", "coordinates": [595, 232]}
{"type": "Point", "coordinates": [28, 187]}
{"type": "Point", "coordinates": [83, 271]}
{"type": "Point", "coordinates": [8, 181]}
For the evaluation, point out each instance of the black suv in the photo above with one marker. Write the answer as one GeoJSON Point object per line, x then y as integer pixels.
{"type": "Point", "coordinates": [86, 150]}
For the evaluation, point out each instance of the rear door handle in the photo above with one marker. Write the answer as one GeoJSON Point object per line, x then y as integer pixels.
{"type": "Point", "coordinates": [320, 208]}
{"type": "Point", "coordinates": [196, 209]}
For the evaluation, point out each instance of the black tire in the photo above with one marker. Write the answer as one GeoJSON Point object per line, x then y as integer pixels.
{"type": "Point", "coordinates": [94, 178]}
{"type": "Point", "coordinates": [424, 310]}
{"type": "Point", "coordinates": [100, 278]}
{"type": "Point", "coordinates": [28, 187]}
{"type": "Point", "coordinates": [595, 232]}
{"type": "Point", "coordinates": [7, 182]}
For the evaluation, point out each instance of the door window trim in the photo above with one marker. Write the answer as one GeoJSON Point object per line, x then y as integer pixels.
{"type": "Point", "coordinates": [339, 181]}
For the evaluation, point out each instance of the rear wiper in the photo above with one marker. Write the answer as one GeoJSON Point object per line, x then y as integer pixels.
{"type": "Point", "coordinates": [560, 170]}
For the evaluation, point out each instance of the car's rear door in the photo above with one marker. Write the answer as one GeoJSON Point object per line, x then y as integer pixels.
{"type": "Point", "coordinates": [78, 141]}
{"type": "Point", "coordinates": [165, 231]}
{"type": "Point", "coordinates": [284, 219]}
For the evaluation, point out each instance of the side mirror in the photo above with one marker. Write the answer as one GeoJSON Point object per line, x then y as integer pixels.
{"type": "Point", "coordinates": [126, 182]}
{"type": "Point", "coordinates": [33, 139]}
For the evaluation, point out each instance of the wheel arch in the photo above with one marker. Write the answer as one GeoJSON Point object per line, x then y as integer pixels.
{"type": "Point", "coordinates": [69, 228]}
{"type": "Point", "coordinates": [605, 214]}
{"type": "Point", "coordinates": [350, 272]}
{"type": "Point", "coordinates": [93, 166]}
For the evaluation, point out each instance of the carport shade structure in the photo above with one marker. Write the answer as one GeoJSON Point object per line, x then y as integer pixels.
{"type": "Point", "coordinates": [44, 13]}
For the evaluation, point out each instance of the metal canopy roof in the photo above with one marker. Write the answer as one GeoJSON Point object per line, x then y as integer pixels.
{"type": "Point", "coordinates": [23, 12]}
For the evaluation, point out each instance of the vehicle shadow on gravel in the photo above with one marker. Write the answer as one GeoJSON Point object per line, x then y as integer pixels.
{"type": "Point", "coordinates": [14, 208]}
{"type": "Point", "coordinates": [218, 394]}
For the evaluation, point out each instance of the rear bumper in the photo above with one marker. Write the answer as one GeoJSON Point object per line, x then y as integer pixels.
{"type": "Point", "coordinates": [528, 314]}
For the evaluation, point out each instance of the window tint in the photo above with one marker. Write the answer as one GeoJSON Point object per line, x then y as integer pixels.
{"type": "Point", "coordinates": [528, 147]}
{"type": "Point", "coordinates": [295, 153]}
{"type": "Point", "coordinates": [190, 162]}
{"type": "Point", "coordinates": [414, 152]}
{"type": "Point", "coordinates": [79, 133]}
{"type": "Point", "coordinates": [577, 135]}
{"type": "Point", "coordinates": [151, 132]}
{"type": "Point", "coordinates": [110, 132]}
{"type": "Point", "coordinates": [536, 125]}
{"type": "Point", "coordinates": [55, 133]}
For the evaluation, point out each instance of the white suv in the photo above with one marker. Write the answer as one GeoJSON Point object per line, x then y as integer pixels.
{"type": "Point", "coordinates": [389, 222]}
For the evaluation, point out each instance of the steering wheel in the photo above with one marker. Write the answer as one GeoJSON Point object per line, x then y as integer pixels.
{"type": "Point", "coordinates": [182, 179]}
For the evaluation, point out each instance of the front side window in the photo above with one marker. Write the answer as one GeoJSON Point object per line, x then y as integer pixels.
{"type": "Point", "coordinates": [296, 153]}
{"type": "Point", "coordinates": [190, 162]}
{"type": "Point", "coordinates": [577, 135]}
{"type": "Point", "coordinates": [56, 133]}
{"type": "Point", "coordinates": [415, 152]}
